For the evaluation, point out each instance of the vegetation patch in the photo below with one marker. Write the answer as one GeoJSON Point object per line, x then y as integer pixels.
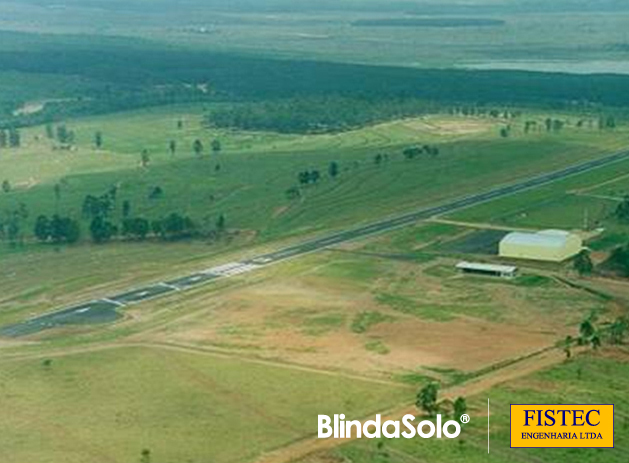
{"type": "Point", "coordinates": [365, 320]}
{"type": "Point", "coordinates": [322, 324]}
{"type": "Point", "coordinates": [377, 347]}
{"type": "Point", "coordinates": [409, 306]}
{"type": "Point", "coordinates": [576, 381]}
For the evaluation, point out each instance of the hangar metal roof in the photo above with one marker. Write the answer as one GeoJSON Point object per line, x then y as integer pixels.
{"type": "Point", "coordinates": [546, 238]}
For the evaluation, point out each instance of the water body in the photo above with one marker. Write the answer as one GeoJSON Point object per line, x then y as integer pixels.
{"type": "Point", "coordinates": [429, 22]}
{"type": "Point", "coordinates": [570, 67]}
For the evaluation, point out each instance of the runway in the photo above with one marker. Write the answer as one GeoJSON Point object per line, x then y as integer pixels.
{"type": "Point", "coordinates": [108, 309]}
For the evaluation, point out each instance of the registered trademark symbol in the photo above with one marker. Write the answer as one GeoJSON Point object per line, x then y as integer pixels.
{"type": "Point", "coordinates": [465, 419]}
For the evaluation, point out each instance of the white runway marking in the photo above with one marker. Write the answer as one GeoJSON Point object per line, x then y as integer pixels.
{"type": "Point", "coordinates": [111, 301]}
{"type": "Point", "coordinates": [232, 269]}
{"type": "Point", "coordinates": [169, 286]}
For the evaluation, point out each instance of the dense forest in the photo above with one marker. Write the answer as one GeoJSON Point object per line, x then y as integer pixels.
{"type": "Point", "coordinates": [111, 78]}
{"type": "Point", "coordinates": [314, 115]}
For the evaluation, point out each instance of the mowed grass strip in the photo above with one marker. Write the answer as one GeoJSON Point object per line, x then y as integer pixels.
{"type": "Point", "coordinates": [108, 406]}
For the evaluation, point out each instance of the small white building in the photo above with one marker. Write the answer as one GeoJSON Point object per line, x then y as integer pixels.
{"type": "Point", "coordinates": [547, 245]}
{"type": "Point", "coordinates": [502, 271]}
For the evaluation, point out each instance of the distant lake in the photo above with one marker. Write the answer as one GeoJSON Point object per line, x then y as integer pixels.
{"type": "Point", "coordinates": [571, 67]}
{"type": "Point", "coordinates": [429, 22]}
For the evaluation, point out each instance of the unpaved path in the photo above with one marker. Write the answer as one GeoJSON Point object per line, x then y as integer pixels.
{"type": "Point", "coordinates": [476, 386]}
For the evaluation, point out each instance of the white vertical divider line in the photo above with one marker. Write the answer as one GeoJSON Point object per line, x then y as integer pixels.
{"type": "Point", "coordinates": [487, 425]}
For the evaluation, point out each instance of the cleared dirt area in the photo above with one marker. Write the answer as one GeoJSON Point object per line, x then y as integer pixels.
{"type": "Point", "coordinates": [340, 316]}
{"type": "Point", "coordinates": [452, 126]}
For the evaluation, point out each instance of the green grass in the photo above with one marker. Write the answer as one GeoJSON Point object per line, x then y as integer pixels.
{"type": "Point", "coordinates": [377, 347]}
{"type": "Point", "coordinates": [411, 306]}
{"type": "Point", "coordinates": [107, 406]}
{"type": "Point", "coordinates": [256, 170]}
{"type": "Point", "coordinates": [588, 379]}
{"type": "Point", "coordinates": [322, 324]}
{"type": "Point", "coordinates": [363, 321]}
{"type": "Point", "coordinates": [407, 240]}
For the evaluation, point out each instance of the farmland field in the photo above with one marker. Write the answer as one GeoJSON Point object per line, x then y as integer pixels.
{"type": "Point", "coordinates": [138, 401]}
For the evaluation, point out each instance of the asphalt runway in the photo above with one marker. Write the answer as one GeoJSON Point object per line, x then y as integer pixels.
{"type": "Point", "coordinates": [107, 309]}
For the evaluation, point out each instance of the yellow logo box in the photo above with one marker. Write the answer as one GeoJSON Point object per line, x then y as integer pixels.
{"type": "Point", "coordinates": [548, 426]}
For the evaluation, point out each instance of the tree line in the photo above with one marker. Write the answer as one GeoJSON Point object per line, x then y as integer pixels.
{"type": "Point", "coordinates": [312, 177]}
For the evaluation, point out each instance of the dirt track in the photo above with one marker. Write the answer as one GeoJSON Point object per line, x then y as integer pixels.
{"type": "Point", "coordinates": [476, 386]}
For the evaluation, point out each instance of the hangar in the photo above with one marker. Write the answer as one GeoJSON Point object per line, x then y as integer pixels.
{"type": "Point", "coordinates": [502, 271]}
{"type": "Point", "coordinates": [547, 245]}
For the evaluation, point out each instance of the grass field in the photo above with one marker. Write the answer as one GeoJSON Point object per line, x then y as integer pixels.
{"type": "Point", "coordinates": [256, 169]}
{"type": "Point", "coordinates": [107, 406]}
{"type": "Point", "coordinates": [583, 202]}
{"type": "Point", "coordinates": [575, 382]}
{"type": "Point", "coordinates": [370, 314]}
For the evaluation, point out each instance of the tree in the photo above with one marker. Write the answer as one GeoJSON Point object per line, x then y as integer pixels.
{"type": "Point", "coordinates": [293, 193]}
{"type": "Point", "coordinates": [137, 228]}
{"type": "Point", "coordinates": [303, 177]}
{"type": "Point", "coordinates": [98, 206]}
{"type": "Point", "coordinates": [64, 229]}
{"type": "Point", "coordinates": [216, 146]}
{"type": "Point", "coordinates": [618, 330]}
{"type": "Point", "coordinates": [315, 176]}
{"type": "Point", "coordinates": [145, 456]}
{"type": "Point", "coordinates": [57, 230]}
{"type": "Point", "coordinates": [156, 193]}
{"type": "Point", "coordinates": [72, 230]}
{"type": "Point", "coordinates": [220, 223]}
{"type": "Point", "coordinates": [568, 346]}
{"type": "Point", "coordinates": [64, 135]}
{"type": "Point", "coordinates": [427, 398]}
{"type": "Point", "coordinates": [618, 260]}
{"type": "Point", "coordinates": [172, 147]}
{"type": "Point", "coordinates": [333, 169]}
{"type": "Point", "coordinates": [126, 208]}
{"type": "Point", "coordinates": [4, 139]}
{"type": "Point", "coordinates": [145, 159]}
{"type": "Point", "coordinates": [174, 227]}
{"type": "Point", "coordinates": [197, 147]}
{"type": "Point", "coordinates": [622, 210]}
{"type": "Point", "coordinates": [42, 228]}
{"type": "Point", "coordinates": [588, 332]}
{"type": "Point", "coordinates": [50, 133]}
{"type": "Point", "coordinates": [460, 408]}
{"type": "Point", "coordinates": [6, 186]}
{"type": "Point", "coordinates": [15, 139]}
{"type": "Point", "coordinates": [583, 263]}
{"type": "Point", "coordinates": [412, 152]}
{"type": "Point", "coordinates": [98, 140]}
{"type": "Point", "coordinates": [586, 328]}
{"type": "Point", "coordinates": [102, 230]}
